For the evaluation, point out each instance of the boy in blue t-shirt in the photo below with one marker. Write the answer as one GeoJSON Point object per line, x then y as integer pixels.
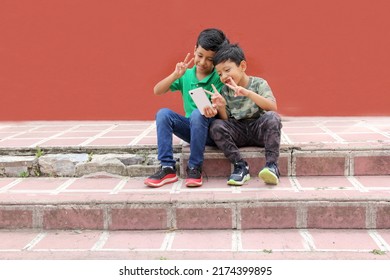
{"type": "Point", "coordinates": [193, 127]}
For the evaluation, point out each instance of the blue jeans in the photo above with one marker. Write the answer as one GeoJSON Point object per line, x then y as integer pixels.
{"type": "Point", "coordinates": [193, 130]}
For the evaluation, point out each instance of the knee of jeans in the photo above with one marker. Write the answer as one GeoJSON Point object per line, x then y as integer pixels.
{"type": "Point", "coordinates": [195, 114]}
{"type": "Point", "coordinates": [197, 118]}
{"type": "Point", "coordinates": [163, 114]}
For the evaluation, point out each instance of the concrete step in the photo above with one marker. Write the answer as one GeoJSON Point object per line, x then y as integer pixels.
{"type": "Point", "coordinates": [303, 160]}
{"type": "Point", "coordinates": [258, 244]}
{"type": "Point", "coordinates": [123, 203]}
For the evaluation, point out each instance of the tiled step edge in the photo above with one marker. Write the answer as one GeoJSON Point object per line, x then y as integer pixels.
{"type": "Point", "coordinates": [325, 214]}
{"type": "Point", "coordinates": [293, 161]}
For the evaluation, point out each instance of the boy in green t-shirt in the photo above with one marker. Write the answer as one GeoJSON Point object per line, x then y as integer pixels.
{"type": "Point", "coordinates": [246, 108]}
{"type": "Point", "coordinates": [193, 127]}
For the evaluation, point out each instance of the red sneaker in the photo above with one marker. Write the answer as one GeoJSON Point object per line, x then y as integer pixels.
{"type": "Point", "coordinates": [164, 176]}
{"type": "Point", "coordinates": [194, 177]}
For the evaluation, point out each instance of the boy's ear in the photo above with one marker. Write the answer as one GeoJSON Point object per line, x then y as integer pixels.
{"type": "Point", "coordinates": [195, 49]}
{"type": "Point", "coordinates": [243, 65]}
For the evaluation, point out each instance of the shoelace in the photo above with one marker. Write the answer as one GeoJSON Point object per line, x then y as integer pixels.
{"type": "Point", "coordinates": [194, 171]}
{"type": "Point", "coordinates": [238, 168]}
{"type": "Point", "coordinates": [162, 172]}
{"type": "Point", "coordinates": [273, 166]}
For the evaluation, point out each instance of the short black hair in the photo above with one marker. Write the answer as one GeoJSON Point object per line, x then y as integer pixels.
{"type": "Point", "coordinates": [211, 39]}
{"type": "Point", "coordinates": [232, 52]}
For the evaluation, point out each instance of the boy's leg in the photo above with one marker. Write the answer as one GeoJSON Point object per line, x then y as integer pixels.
{"type": "Point", "coordinates": [228, 136]}
{"type": "Point", "coordinates": [199, 130]}
{"type": "Point", "coordinates": [266, 133]}
{"type": "Point", "coordinates": [168, 123]}
{"type": "Point", "coordinates": [267, 130]}
{"type": "Point", "coordinates": [199, 126]}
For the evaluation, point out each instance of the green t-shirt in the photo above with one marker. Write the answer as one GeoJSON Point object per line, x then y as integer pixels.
{"type": "Point", "coordinates": [189, 81]}
{"type": "Point", "coordinates": [242, 107]}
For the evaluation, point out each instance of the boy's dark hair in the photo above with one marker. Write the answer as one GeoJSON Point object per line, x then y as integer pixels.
{"type": "Point", "coordinates": [232, 52]}
{"type": "Point", "coordinates": [211, 39]}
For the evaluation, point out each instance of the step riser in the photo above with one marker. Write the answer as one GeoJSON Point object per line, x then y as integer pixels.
{"type": "Point", "coordinates": [312, 163]}
{"type": "Point", "coordinates": [292, 162]}
{"type": "Point", "coordinates": [234, 215]}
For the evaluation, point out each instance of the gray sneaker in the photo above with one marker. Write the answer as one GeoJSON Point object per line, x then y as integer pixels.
{"type": "Point", "coordinates": [270, 173]}
{"type": "Point", "coordinates": [240, 174]}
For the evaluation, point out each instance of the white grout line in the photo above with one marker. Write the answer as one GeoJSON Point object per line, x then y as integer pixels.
{"type": "Point", "coordinates": [382, 244]}
{"type": "Point", "coordinates": [285, 139]}
{"type": "Point", "coordinates": [376, 130]}
{"type": "Point", "coordinates": [62, 250]}
{"type": "Point", "coordinates": [345, 250]}
{"type": "Point", "coordinates": [331, 133]}
{"type": "Point", "coordinates": [156, 190]}
{"type": "Point", "coordinates": [201, 250]}
{"type": "Point", "coordinates": [357, 184]}
{"type": "Point", "coordinates": [89, 140]}
{"type": "Point", "coordinates": [63, 186]}
{"type": "Point", "coordinates": [12, 137]}
{"type": "Point", "coordinates": [236, 241]}
{"type": "Point", "coordinates": [295, 184]}
{"type": "Point", "coordinates": [221, 250]}
{"type": "Point", "coordinates": [10, 185]}
{"type": "Point", "coordinates": [143, 134]}
{"type": "Point", "coordinates": [53, 136]}
{"type": "Point", "coordinates": [168, 241]}
{"type": "Point", "coordinates": [101, 242]}
{"type": "Point", "coordinates": [176, 187]}
{"type": "Point", "coordinates": [308, 240]}
{"type": "Point", "coordinates": [197, 190]}
{"type": "Point", "coordinates": [108, 191]}
{"type": "Point", "coordinates": [119, 186]}
{"type": "Point", "coordinates": [35, 241]}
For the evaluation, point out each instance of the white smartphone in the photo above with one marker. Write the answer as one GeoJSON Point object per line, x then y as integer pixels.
{"type": "Point", "coordinates": [200, 98]}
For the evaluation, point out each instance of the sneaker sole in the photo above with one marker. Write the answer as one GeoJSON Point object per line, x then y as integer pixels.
{"type": "Point", "coordinates": [268, 177]}
{"type": "Point", "coordinates": [239, 183]}
{"type": "Point", "coordinates": [162, 183]}
{"type": "Point", "coordinates": [192, 184]}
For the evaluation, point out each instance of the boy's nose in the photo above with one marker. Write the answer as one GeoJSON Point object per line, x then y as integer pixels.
{"type": "Point", "coordinates": [203, 61]}
{"type": "Point", "coordinates": [224, 77]}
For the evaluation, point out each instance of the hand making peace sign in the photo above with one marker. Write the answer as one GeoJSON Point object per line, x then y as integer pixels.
{"type": "Point", "coordinates": [216, 98]}
{"type": "Point", "coordinates": [181, 67]}
{"type": "Point", "coordinates": [238, 90]}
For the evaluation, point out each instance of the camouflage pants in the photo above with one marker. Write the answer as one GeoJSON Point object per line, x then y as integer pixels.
{"type": "Point", "coordinates": [264, 132]}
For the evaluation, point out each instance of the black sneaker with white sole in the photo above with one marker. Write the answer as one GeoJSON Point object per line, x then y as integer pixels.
{"type": "Point", "coordinates": [240, 174]}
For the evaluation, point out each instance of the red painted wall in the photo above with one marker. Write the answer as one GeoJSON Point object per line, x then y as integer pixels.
{"type": "Point", "coordinates": [99, 59]}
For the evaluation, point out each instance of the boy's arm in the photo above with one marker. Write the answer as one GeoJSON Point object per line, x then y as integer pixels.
{"type": "Point", "coordinates": [262, 102]}
{"type": "Point", "coordinates": [164, 85]}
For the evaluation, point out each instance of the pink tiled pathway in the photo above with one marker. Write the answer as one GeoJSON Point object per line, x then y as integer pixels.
{"type": "Point", "coordinates": [195, 244]}
{"type": "Point", "coordinates": [332, 131]}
